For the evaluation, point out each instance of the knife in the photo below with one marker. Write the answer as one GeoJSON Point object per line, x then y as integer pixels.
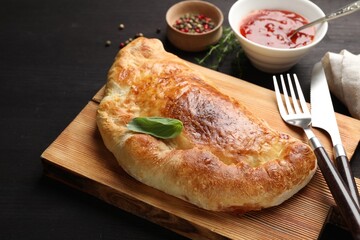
{"type": "Point", "coordinates": [323, 116]}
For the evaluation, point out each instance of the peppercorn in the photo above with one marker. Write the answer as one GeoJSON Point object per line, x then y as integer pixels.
{"type": "Point", "coordinates": [121, 26]}
{"type": "Point", "coordinates": [129, 40]}
{"type": "Point", "coordinates": [107, 43]}
{"type": "Point", "coordinates": [194, 23]}
{"type": "Point", "coordinates": [138, 35]}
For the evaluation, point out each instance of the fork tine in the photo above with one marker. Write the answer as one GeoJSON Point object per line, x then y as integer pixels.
{"type": "Point", "coordinates": [286, 96]}
{"type": "Point", "coordinates": [293, 95]}
{"type": "Point", "coordinates": [279, 100]}
{"type": "Point", "coordinates": [301, 96]}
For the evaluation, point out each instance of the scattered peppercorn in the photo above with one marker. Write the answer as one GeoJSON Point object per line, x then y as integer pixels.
{"type": "Point", "coordinates": [107, 43]}
{"type": "Point", "coordinates": [129, 40]}
{"type": "Point", "coordinates": [158, 30]}
{"type": "Point", "coordinates": [121, 26]}
{"type": "Point", "coordinates": [139, 35]}
{"type": "Point", "coordinates": [194, 23]}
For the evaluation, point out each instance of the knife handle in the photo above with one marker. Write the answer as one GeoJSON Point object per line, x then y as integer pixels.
{"type": "Point", "coordinates": [343, 166]}
{"type": "Point", "coordinates": [340, 192]}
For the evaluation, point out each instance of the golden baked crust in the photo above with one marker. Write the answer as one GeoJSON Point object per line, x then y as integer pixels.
{"type": "Point", "coordinates": [225, 159]}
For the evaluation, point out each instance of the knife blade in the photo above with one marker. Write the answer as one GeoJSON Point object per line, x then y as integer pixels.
{"type": "Point", "coordinates": [323, 116]}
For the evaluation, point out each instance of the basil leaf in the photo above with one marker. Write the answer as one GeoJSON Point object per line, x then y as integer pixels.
{"type": "Point", "coordinates": [159, 127]}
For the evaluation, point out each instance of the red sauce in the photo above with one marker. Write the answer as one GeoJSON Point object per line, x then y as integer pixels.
{"type": "Point", "coordinates": [272, 28]}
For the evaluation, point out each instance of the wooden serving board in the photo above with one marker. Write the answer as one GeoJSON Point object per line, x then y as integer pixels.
{"type": "Point", "coordinates": [79, 158]}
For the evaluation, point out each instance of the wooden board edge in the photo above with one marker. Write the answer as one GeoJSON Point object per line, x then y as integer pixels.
{"type": "Point", "coordinates": [127, 203]}
{"type": "Point", "coordinates": [99, 95]}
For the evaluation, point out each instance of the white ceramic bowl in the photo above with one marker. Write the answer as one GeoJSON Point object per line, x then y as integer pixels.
{"type": "Point", "coordinates": [269, 59]}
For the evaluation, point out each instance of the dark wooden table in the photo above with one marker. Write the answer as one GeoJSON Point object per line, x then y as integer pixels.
{"type": "Point", "coordinates": [53, 59]}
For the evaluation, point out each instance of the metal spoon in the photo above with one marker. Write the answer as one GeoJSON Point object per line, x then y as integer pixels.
{"type": "Point", "coordinates": [350, 8]}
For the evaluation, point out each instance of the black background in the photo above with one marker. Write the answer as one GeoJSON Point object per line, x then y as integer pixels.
{"type": "Point", "coordinates": [53, 59]}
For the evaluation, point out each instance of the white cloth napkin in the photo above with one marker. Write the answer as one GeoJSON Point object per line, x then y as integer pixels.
{"type": "Point", "coordinates": [343, 76]}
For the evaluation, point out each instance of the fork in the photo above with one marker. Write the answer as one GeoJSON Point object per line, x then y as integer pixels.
{"type": "Point", "coordinates": [298, 115]}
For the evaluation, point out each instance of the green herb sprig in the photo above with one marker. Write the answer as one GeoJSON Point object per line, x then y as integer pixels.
{"type": "Point", "coordinates": [164, 128]}
{"type": "Point", "coordinates": [227, 45]}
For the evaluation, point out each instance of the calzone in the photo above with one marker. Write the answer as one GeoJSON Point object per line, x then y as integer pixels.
{"type": "Point", "coordinates": [225, 158]}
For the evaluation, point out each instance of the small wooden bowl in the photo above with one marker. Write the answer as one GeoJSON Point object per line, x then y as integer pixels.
{"type": "Point", "coordinates": [194, 42]}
